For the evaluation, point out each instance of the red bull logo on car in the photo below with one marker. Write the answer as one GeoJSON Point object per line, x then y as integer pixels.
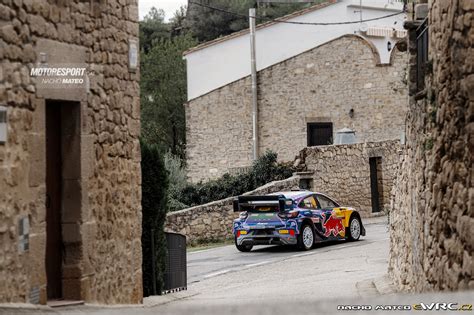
{"type": "Point", "coordinates": [333, 225]}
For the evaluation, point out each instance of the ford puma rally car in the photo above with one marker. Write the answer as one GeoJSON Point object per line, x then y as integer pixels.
{"type": "Point", "coordinates": [299, 218]}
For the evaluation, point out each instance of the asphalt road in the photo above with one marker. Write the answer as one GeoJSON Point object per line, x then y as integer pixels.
{"type": "Point", "coordinates": [268, 271]}
{"type": "Point", "coordinates": [278, 280]}
{"type": "Point", "coordinates": [210, 263]}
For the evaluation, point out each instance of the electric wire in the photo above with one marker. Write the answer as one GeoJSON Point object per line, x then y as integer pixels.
{"type": "Point", "coordinates": [295, 22]}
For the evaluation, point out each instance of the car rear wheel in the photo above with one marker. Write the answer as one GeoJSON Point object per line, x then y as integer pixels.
{"type": "Point", "coordinates": [243, 248]}
{"type": "Point", "coordinates": [306, 237]}
{"type": "Point", "coordinates": [355, 228]}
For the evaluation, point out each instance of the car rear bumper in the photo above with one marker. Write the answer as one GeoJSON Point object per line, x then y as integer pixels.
{"type": "Point", "coordinates": [266, 237]}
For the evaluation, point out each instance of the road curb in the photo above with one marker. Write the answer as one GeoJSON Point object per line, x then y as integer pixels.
{"type": "Point", "coordinates": [157, 300]}
{"type": "Point", "coordinates": [366, 288]}
{"type": "Point", "coordinates": [375, 220]}
{"type": "Point", "coordinates": [376, 287]}
{"type": "Point", "coordinates": [384, 285]}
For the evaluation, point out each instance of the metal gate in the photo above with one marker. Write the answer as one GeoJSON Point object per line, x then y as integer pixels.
{"type": "Point", "coordinates": [175, 276]}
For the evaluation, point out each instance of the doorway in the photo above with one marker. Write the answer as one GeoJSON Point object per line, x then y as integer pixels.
{"type": "Point", "coordinates": [376, 183]}
{"type": "Point", "coordinates": [54, 243]}
{"type": "Point", "coordinates": [64, 250]}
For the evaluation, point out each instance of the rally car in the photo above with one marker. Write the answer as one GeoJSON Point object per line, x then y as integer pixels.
{"type": "Point", "coordinates": [301, 218]}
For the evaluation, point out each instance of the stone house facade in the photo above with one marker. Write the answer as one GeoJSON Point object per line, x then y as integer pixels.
{"type": "Point", "coordinates": [358, 175]}
{"type": "Point", "coordinates": [432, 216]}
{"type": "Point", "coordinates": [340, 84]}
{"type": "Point", "coordinates": [70, 197]}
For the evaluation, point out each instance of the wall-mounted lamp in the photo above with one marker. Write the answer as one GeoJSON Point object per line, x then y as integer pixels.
{"type": "Point", "coordinates": [43, 57]}
{"type": "Point", "coordinates": [389, 46]}
{"type": "Point", "coordinates": [132, 54]}
{"type": "Point", "coordinates": [351, 113]}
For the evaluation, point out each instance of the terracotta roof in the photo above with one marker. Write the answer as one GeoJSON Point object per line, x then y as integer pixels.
{"type": "Point", "coordinates": [260, 26]}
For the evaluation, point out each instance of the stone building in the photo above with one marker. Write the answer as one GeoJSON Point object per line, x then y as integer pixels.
{"type": "Point", "coordinates": [359, 175]}
{"type": "Point", "coordinates": [432, 217]}
{"type": "Point", "coordinates": [338, 80]}
{"type": "Point", "coordinates": [70, 213]}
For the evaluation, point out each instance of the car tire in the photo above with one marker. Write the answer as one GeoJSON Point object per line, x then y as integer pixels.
{"type": "Point", "coordinates": [306, 237]}
{"type": "Point", "coordinates": [243, 248]}
{"type": "Point", "coordinates": [354, 229]}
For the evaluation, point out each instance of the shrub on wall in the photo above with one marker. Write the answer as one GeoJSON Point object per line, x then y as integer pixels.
{"type": "Point", "coordinates": [264, 170]}
{"type": "Point", "coordinates": [177, 180]}
{"type": "Point", "coordinates": [154, 207]}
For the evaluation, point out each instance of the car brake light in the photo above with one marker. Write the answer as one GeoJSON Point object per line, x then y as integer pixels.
{"type": "Point", "coordinates": [241, 232]}
{"type": "Point", "coordinates": [292, 232]}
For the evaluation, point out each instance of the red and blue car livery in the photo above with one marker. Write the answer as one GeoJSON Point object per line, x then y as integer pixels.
{"type": "Point", "coordinates": [300, 218]}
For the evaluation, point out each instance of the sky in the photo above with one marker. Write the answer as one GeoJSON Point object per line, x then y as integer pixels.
{"type": "Point", "coordinates": [170, 6]}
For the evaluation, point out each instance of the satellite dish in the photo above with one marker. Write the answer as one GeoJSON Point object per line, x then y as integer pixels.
{"type": "Point", "coordinates": [363, 27]}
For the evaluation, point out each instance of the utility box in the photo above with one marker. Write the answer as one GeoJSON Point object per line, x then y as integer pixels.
{"type": "Point", "coordinates": [345, 136]}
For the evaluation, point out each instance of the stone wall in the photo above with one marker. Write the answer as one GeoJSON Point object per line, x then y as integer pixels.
{"type": "Point", "coordinates": [432, 218]}
{"type": "Point", "coordinates": [343, 172]}
{"type": "Point", "coordinates": [213, 221]}
{"type": "Point", "coordinates": [320, 85]}
{"type": "Point", "coordinates": [100, 194]}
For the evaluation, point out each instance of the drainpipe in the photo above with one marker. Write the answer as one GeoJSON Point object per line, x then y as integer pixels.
{"type": "Point", "coordinates": [253, 65]}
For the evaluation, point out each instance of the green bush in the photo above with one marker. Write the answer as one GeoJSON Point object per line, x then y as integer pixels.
{"type": "Point", "coordinates": [154, 207]}
{"type": "Point", "coordinates": [177, 180]}
{"type": "Point", "coordinates": [264, 170]}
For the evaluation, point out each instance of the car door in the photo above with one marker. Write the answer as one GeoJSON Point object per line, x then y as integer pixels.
{"type": "Point", "coordinates": [313, 212]}
{"type": "Point", "coordinates": [332, 224]}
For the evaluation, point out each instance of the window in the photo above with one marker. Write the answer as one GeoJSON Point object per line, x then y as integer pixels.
{"type": "Point", "coordinates": [325, 202]}
{"type": "Point", "coordinates": [421, 55]}
{"type": "Point", "coordinates": [308, 203]}
{"type": "Point", "coordinates": [319, 134]}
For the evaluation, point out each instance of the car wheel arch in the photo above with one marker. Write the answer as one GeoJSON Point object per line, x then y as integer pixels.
{"type": "Point", "coordinates": [309, 222]}
{"type": "Point", "coordinates": [356, 215]}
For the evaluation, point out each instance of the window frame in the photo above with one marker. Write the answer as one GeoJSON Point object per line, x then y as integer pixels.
{"type": "Point", "coordinates": [310, 196]}
{"type": "Point", "coordinates": [336, 205]}
{"type": "Point", "coordinates": [311, 125]}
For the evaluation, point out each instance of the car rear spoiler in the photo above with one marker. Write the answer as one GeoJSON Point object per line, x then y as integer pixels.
{"type": "Point", "coordinates": [246, 203]}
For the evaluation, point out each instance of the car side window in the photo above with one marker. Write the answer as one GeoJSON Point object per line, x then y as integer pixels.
{"type": "Point", "coordinates": [325, 202]}
{"type": "Point", "coordinates": [308, 203]}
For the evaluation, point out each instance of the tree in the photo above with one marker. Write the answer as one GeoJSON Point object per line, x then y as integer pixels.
{"type": "Point", "coordinates": [163, 93]}
{"type": "Point", "coordinates": [177, 22]}
{"type": "Point", "coordinates": [206, 24]}
{"type": "Point", "coordinates": [153, 29]}
{"type": "Point", "coordinates": [154, 208]}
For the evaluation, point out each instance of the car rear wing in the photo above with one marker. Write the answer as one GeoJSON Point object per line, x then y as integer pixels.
{"type": "Point", "coordinates": [274, 203]}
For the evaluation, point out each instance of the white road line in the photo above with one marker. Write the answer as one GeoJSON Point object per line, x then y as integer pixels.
{"type": "Point", "coordinates": [217, 273]}
{"type": "Point", "coordinates": [301, 255]}
{"type": "Point", "coordinates": [257, 264]}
